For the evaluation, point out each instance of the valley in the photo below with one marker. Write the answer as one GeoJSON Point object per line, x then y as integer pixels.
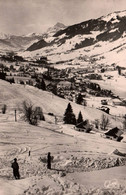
{"type": "Point", "coordinates": [75, 71]}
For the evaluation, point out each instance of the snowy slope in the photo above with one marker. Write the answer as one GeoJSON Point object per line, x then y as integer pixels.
{"type": "Point", "coordinates": [102, 39]}
{"type": "Point", "coordinates": [14, 95]}
{"type": "Point", "coordinates": [18, 138]}
{"type": "Point", "coordinates": [69, 148]}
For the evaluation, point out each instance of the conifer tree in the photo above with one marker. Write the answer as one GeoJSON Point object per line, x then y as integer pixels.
{"type": "Point", "coordinates": [43, 85]}
{"type": "Point", "coordinates": [69, 116]}
{"type": "Point", "coordinates": [80, 120]}
{"type": "Point", "coordinates": [79, 99]}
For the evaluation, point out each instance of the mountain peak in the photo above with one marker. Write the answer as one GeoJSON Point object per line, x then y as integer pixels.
{"type": "Point", "coordinates": [58, 26]}
{"type": "Point", "coordinates": [4, 36]}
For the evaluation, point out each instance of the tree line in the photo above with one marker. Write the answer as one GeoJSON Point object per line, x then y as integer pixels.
{"type": "Point", "coordinates": [34, 114]}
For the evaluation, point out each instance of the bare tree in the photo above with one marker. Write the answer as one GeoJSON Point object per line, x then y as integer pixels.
{"type": "Point", "coordinates": [31, 114]}
{"type": "Point", "coordinates": [84, 102]}
{"type": "Point", "coordinates": [96, 123]}
{"type": "Point", "coordinates": [104, 122]}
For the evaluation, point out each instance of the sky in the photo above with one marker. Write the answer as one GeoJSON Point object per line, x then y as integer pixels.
{"type": "Point", "coordinates": [27, 16]}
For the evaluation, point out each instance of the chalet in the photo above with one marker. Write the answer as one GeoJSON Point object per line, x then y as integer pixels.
{"type": "Point", "coordinates": [114, 134]}
{"type": "Point", "coordinates": [117, 102]}
{"type": "Point", "coordinates": [77, 81]}
{"type": "Point", "coordinates": [64, 84]}
{"type": "Point", "coordinates": [105, 109]}
{"type": "Point", "coordinates": [22, 80]}
{"type": "Point", "coordinates": [104, 102]}
{"type": "Point", "coordinates": [84, 127]}
{"type": "Point", "coordinates": [117, 152]}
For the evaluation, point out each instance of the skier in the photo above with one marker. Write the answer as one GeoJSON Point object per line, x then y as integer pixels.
{"type": "Point", "coordinates": [15, 168]}
{"type": "Point", "coordinates": [29, 153]}
{"type": "Point", "coordinates": [49, 160]}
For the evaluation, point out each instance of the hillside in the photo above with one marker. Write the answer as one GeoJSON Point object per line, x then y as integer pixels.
{"type": "Point", "coordinates": [96, 41]}
{"type": "Point", "coordinates": [13, 95]}
{"type": "Point", "coordinates": [38, 45]}
{"type": "Point", "coordinates": [75, 153]}
{"type": "Point", "coordinates": [50, 32]}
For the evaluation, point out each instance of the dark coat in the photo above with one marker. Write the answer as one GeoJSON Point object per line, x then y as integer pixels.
{"type": "Point", "coordinates": [15, 168]}
{"type": "Point", "coordinates": [49, 161]}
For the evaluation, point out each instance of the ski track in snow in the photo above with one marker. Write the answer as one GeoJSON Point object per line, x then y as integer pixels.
{"type": "Point", "coordinates": [34, 175]}
{"type": "Point", "coordinates": [72, 150]}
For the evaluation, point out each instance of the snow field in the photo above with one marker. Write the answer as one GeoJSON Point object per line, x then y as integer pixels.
{"type": "Point", "coordinates": [73, 151]}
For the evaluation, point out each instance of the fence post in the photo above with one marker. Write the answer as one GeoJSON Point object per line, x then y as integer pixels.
{"type": "Point", "coordinates": [55, 120]}
{"type": "Point", "coordinates": [15, 116]}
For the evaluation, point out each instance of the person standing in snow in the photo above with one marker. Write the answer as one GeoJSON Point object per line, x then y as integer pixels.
{"type": "Point", "coordinates": [49, 160]}
{"type": "Point", "coordinates": [15, 168]}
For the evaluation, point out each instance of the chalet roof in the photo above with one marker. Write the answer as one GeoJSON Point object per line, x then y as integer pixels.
{"type": "Point", "coordinates": [105, 107]}
{"type": "Point", "coordinates": [104, 100]}
{"type": "Point", "coordinates": [114, 132]}
{"type": "Point", "coordinates": [64, 83]}
{"type": "Point", "coordinates": [116, 100]}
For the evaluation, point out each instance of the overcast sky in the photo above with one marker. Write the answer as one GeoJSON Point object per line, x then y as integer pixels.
{"type": "Point", "coordinates": [27, 16]}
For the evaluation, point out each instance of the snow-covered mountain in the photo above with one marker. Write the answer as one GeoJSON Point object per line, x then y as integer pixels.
{"type": "Point", "coordinates": [102, 40]}
{"type": "Point", "coordinates": [4, 36]}
{"type": "Point", "coordinates": [58, 26]}
{"type": "Point", "coordinates": [22, 42]}
{"type": "Point", "coordinates": [46, 37]}
{"type": "Point", "coordinates": [15, 43]}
